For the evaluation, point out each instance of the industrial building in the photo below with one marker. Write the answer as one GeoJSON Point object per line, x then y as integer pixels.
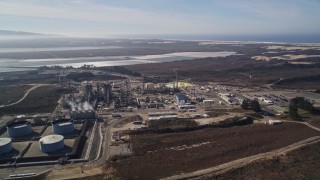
{"type": "Point", "coordinates": [5, 145]}
{"type": "Point", "coordinates": [161, 113]}
{"type": "Point", "coordinates": [107, 89]}
{"type": "Point", "coordinates": [273, 122]}
{"type": "Point", "coordinates": [116, 136]}
{"type": "Point", "coordinates": [274, 110]}
{"type": "Point", "coordinates": [165, 117]}
{"type": "Point", "coordinates": [155, 105]}
{"type": "Point", "coordinates": [63, 127]}
{"type": "Point", "coordinates": [87, 114]}
{"type": "Point", "coordinates": [187, 106]}
{"type": "Point", "coordinates": [181, 99]}
{"type": "Point", "coordinates": [162, 116]}
{"type": "Point", "coordinates": [207, 102]}
{"type": "Point", "coordinates": [51, 143]}
{"type": "Point", "coordinates": [19, 129]}
{"type": "Point", "coordinates": [149, 86]}
{"type": "Point", "coordinates": [228, 98]}
{"type": "Point", "coordinates": [266, 101]}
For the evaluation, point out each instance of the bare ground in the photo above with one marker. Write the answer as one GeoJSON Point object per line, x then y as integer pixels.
{"type": "Point", "coordinates": [235, 69]}
{"type": "Point", "coordinates": [302, 163]}
{"type": "Point", "coordinates": [162, 155]}
{"type": "Point", "coordinates": [11, 94]}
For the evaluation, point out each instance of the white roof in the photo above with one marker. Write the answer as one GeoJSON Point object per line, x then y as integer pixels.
{"type": "Point", "coordinates": [65, 124]}
{"type": "Point", "coordinates": [163, 117]}
{"type": "Point", "coordinates": [274, 121]}
{"type": "Point", "coordinates": [4, 141]}
{"type": "Point", "coordinates": [20, 126]}
{"type": "Point", "coordinates": [51, 139]}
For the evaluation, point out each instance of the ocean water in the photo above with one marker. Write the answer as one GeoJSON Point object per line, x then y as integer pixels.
{"type": "Point", "coordinates": [274, 38]}
{"type": "Point", "coordinates": [10, 50]}
{"type": "Point", "coordinates": [8, 65]}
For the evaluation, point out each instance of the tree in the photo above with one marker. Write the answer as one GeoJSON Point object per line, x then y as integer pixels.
{"type": "Point", "coordinates": [245, 104]}
{"type": "Point", "coordinates": [255, 106]}
{"type": "Point", "coordinates": [293, 109]}
{"type": "Point", "coordinates": [304, 104]}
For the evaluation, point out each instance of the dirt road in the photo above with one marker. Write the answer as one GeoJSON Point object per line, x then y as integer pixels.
{"type": "Point", "coordinates": [206, 173]}
{"type": "Point", "coordinates": [25, 95]}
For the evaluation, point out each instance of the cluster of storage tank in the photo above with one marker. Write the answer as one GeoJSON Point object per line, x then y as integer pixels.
{"type": "Point", "coordinates": [55, 142]}
{"type": "Point", "coordinates": [48, 144]}
{"type": "Point", "coordinates": [19, 129]}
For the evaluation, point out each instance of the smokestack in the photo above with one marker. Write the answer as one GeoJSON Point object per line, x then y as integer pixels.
{"type": "Point", "coordinates": [177, 80]}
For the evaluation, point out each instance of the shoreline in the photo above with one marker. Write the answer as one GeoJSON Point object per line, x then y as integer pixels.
{"type": "Point", "coordinates": [128, 60]}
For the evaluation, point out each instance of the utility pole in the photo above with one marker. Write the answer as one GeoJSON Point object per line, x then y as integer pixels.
{"type": "Point", "coordinates": [59, 77]}
{"type": "Point", "coordinates": [177, 80]}
{"type": "Point", "coordinates": [142, 84]}
{"type": "Point", "coordinates": [176, 73]}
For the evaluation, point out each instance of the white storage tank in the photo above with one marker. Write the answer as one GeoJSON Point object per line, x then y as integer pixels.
{"type": "Point", "coordinates": [51, 143]}
{"type": "Point", "coordinates": [19, 129]}
{"type": "Point", "coordinates": [63, 127]}
{"type": "Point", "coordinates": [5, 145]}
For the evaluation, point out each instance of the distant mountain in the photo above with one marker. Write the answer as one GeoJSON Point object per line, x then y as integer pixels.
{"type": "Point", "coordinates": [17, 33]}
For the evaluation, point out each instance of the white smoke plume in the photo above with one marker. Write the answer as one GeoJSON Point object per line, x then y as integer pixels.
{"type": "Point", "coordinates": [86, 106]}
{"type": "Point", "coordinates": [80, 106]}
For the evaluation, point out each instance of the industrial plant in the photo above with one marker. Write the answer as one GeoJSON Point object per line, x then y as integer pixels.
{"type": "Point", "coordinates": [71, 133]}
{"type": "Point", "coordinates": [94, 120]}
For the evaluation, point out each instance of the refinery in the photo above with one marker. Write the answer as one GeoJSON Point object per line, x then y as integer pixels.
{"type": "Point", "coordinates": [116, 122]}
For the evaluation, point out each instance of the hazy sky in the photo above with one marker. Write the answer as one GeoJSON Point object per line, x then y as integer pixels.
{"type": "Point", "coordinates": [103, 17]}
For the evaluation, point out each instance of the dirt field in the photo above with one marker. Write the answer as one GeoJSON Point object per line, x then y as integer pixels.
{"type": "Point", "coordinates": [292, 48]}
{"type": "Point", "coordinates": [312, 119]}
{"type": "Point", "coordinates": [11, 94]}
{"type": "Point", "coordinates": [42, 99]}
{"type": "Point", "coordinates": [299, 164]}
{"type": "Point", "coordinates": [288, 57]}
{"type": "Point", "coordinates": [161, 155]}
{"type": "Point", "coordinates": [235, 69]}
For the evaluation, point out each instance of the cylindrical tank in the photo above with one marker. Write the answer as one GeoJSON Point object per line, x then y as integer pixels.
{"type": "Point", "coordinates": [51, 143]}
{"type": "Point", "coordinates": [19, 129]}
{"type": "Point", "coordinates": [62, 127]}
{"type": "Point", "coordinates": [5, 145]}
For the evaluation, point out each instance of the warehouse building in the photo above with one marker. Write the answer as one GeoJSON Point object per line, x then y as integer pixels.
{"type": "Point", "coordinates": [165, 117]}
{"type": "Point", "coordinates": [86, 114]}
{"type": "Point", "coordinates": [181, 99]}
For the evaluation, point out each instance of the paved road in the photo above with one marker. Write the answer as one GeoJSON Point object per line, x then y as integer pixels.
{"type": "Point", "coordinates": [107, 141]}
{"type": "Point", "coordinates": [272, 84]}
{"type": "Point", "coordinates": [25, 95]}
